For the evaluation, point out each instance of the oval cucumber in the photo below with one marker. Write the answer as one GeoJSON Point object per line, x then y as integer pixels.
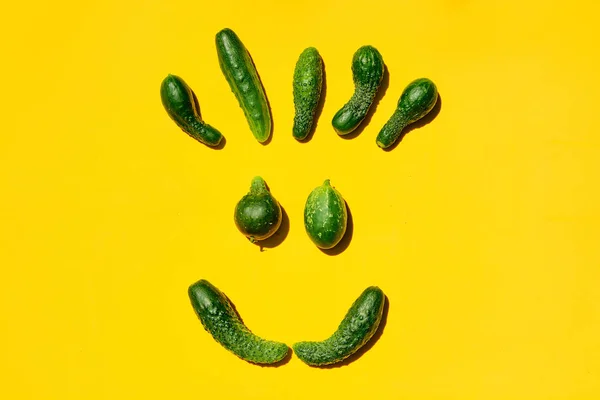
{"type": "Point", "coordinates": [220, 320]}
{"type": "Point", "coordinates": [258, 215]}
{"type": "Point", "coordinates": [241, 74]}
{"type": "Point", "coordinates": [179, 102]}
{"type": "Point", "coordinates": [367, 72]}
{"type": "Point", "coordinates": [355, 330]}
{"type": "Point", "coordinates": [416, 101]}
{"type": "Point", "coordinates": [308, 83]}
{"type": "Point", "coordinates": [325, 216]}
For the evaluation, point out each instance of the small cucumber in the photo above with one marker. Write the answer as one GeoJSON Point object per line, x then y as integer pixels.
{"type": "Point", "coordinates": [325, 216]}
{"type": "Point", "coordinates": [367, 73]}
{"type": "Point", "coordinates": [220, 320]}
{"type": "Point", "coordinates": [240, 72]}
{"type": "Point", "coordinates": [258, 215]}
{"type": "Point", "coordinates": [308, 82]}
{"type": "Point", "coordinates": [178, 99]}
{"type": "Point", "coordinates": [355, 330]}
{"type": "Point", "coordinates": [417, 100]}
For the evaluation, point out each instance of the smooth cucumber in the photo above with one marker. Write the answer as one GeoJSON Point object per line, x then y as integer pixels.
{"type": "Point", "coordinates": [355, 330]}
{"type": "Point", "coordinates": [220, 320]}
{"type": "Point", "coordinates": [258, 214]}
{"type": "Point", "coordinates": [308, 83]}
{"type": "Point", "coordinates": [416, 101]}
{"type": "Point", "coordinates": [367, 72]}
{"type": "Point", "coordinates": [241, 74]}
{"type": "Point", "coordinates": [325, 216]}
{"type": "Point", "coordinates": [178, 99]}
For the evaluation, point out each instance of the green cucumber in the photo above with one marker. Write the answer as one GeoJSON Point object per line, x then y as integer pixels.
{"type": "Point", "coordinates": [367, 73]}
{"type": "Point", "coordinates": [258, 215]}
{"type": "Point", "coordinates": [325, 216]}
{"type": "Point", "coordinates": [416, 101]}
{"type": "Point", "coordinates": [355, 330]}
{"type": "Point", "coordinates": [220, 320]}
{"type": "Point", "coordinates": [240, 72]}
{"type": "Point", "coordinates": [179, 101]}
{"type": "Point", "coordinates": [308, 82]}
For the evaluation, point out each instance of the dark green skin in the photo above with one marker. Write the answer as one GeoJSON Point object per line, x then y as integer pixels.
{"type": "Point", "coordinates": [355, 330]}
{"type": "Point", "coordinates": [258, 215]}
{"type": "Point", "coordinates": [417, 100]}
{"type": "Point", "coordinates": [178, 99]}
{"type": "Point", "coordinates": [308, 83]}
{"type": "Point", "coordinates": [241, 74]}
{"type": "Point", "coordinates": [220, 320]}
{"type": "Point", "coordinates": [367, 73]}
{"type": "Point", "coordinates": [325, 216]}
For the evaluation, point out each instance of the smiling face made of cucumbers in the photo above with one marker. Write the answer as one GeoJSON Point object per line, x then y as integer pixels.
{"type": "Point", "coordinates": [258, 215]}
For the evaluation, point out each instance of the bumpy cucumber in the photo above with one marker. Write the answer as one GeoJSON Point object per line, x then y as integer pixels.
{"type": "Point", "coordinates": [325, 216]}
{"type": "Point", "coordinates": [355, 330]}
{"type": "Point", "coordinates": [258, 215]}
{"type": "Point", "coordinates": [240, 72]}
{"type": "Point", "coordinates": [220, 320]}
{"type": "Point", "coordinates": [308, 82]}
{"type": "Point", "coordinates": [178, 99]}
{"type": "Point", "coordinates": [416, 101]}
{"type": "Point", "coordinates": [367, 72]}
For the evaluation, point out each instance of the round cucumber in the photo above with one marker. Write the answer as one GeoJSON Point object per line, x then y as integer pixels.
{"type": "Point", "coordinates": [367, 72]}
{"type": "Point", "coordinates": [355, 330]}
{"type": "Point", "coordinates": [220, 320]}
{"type": "Point", "coordinates": [258, 215]}
{"type": "Point", "coordinates": [178, 99]}
{"type": "Point", "coordinates": [308, 82]}
{"type": "Point", "coordinates": [325, 216]}
{"type": "Point", "coordinates": [416, 101]}
{"type": "Point", "coordinates": [241, 74]}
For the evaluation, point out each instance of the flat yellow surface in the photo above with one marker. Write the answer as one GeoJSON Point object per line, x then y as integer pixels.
{"type": "Point", "coordinates": [482, 227]}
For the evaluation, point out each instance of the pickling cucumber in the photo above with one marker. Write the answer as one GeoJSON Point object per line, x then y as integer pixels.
{"type": "Point", "coordinates": [416, 101]}
{"type": "Point", "coordinates": [258, 215]}
{"type": "Point", "coordinates": [355, 330]}
{"type": "Point", "coordinates": [367, 72]}
{"type": "Point", "coordinates": [308, 82]}
{"type": "Point", "coordinates": [178, 99]}
{"type": "Point", "coordinates": [220, 320]}
{"type": "Point", "coordinates": [241, 74]}
{"type": "Point", "coordinates": [325, 216]}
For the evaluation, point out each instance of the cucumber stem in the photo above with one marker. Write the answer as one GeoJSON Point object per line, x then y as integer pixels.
{"type": "Point", "coordinates": [392, 129]}
{"type": "Point", "coordinates": [258, 185]}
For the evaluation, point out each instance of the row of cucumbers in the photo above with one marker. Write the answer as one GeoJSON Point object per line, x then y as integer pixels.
{"type": "Point", "coordinates": [416, 101]}
{"type": "Point", "coordinates": [258, 214]}
{"type": "Point", "coordinates": [219, 318]}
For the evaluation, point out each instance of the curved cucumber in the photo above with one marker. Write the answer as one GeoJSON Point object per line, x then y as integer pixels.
{"type": "Point", "coordinates": [258, 215]}
{"type": "Point", "coordinates": [417, 100]}
{"type": "Point", "coordinates": [325, 216]}
{"type": "Point", "coordinates": [178, 99]}
{"type": "Point", "coordinates": [240, 72]}
{"type": "Point", "coordinates": [367, 72]}
{"type": "Point", "coordinates": [355, 330]}
{"type": "Point", "coordinates": [308, 82]}
{"type": "Point", "coordinates": [220, 320]}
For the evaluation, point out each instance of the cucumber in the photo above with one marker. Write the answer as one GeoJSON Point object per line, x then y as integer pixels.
{"type": "Point", "coordinates": [240, 72]}
{"type": "Point", "coordinates": [367, 73]}
{"type": "Point", "coordinates": [308, 83]}
{"type": "Point", "coordinates": [178, 99]}
{"type": "Point", "coordinates": [416, 101]}
{"type": "Point", "coordinates": [258, 215]}
{"type": "Point", "coordinates": [220, 320]}
{"type": "Point", "coordinates": [355, 330]}
{"type": "Point", "coordinates": [325, 216]}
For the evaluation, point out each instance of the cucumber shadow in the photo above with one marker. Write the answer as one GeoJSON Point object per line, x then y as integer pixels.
{"type": "Point", "coordinates": [197, 108]}
{"type": "Point", "coordinates": [279, 236]}
{"type": "Point", "coordinates": [319, 110]}
{"type": "Point", "coordinates": [376, 336]}
{"type": "Point", "coordinates": [346, 239]}
{"type": "Point", "coordinates": [419, 124]}
{"type": "Point", "coordinates": [385, 83]}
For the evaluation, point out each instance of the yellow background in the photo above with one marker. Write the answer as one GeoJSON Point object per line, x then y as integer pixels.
{"type": "Point", "coordinates": [481, 227]}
